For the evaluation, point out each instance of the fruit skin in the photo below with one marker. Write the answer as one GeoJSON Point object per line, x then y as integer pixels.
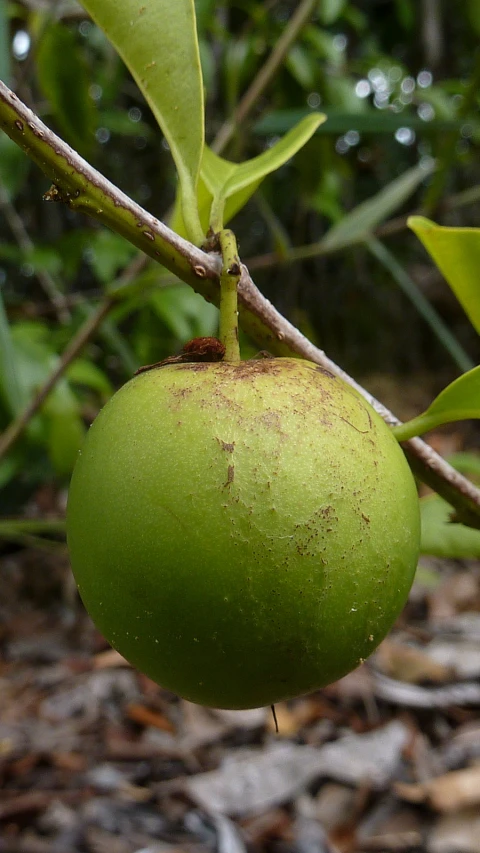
{"type": "Point", "coordinates": [242, 532]}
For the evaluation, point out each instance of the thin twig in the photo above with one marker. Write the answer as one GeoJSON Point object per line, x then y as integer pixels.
{"type": "Point", "coordinates": [258, 317]}
{"type": "Point", "coordinates": [266, 74]}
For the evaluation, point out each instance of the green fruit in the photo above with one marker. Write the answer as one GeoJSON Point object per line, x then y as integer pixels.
{"type": "Point", "coordinates": [242, 532]}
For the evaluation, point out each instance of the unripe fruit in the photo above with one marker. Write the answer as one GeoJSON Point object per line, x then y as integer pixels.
{"type": "Point", "coordinates": [242, 532]}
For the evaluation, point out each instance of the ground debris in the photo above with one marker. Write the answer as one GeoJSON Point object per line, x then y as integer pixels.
{"type": "Point", "coordinates": [95, 758]}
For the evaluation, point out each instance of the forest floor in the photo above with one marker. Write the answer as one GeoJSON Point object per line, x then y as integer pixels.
{"type": "Point", "coordinates": [95, 758]}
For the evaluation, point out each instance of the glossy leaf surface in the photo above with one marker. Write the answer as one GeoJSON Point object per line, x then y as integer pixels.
{"type": "Point", "coordinates": [226, 187]}
{"type": "Point", "coordinates": [158, 43]}
{"type": "Point", "coordinates": [456, 252]}
{"type": "Point", "coordinates": [238, 181]}
{"type": "Point", "coordinates": [457, 402]}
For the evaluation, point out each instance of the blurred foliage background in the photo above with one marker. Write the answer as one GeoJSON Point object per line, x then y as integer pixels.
{"type": "Point", "coordinates": [399, 81]}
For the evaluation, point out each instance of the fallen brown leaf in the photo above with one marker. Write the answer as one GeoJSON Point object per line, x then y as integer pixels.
{"type": "Point", "coordinates": [448, 793]}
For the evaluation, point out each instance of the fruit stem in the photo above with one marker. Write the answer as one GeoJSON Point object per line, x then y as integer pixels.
{"type": "Point", "coordinates": [229, 278]}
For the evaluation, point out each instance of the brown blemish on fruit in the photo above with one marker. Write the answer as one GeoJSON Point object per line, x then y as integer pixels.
{"type": "Point", "coordinates": [230, 475]}
{"type": "Point", "coordinates": [327, 512]}
{"type": "Point", "coordinates": [229, 447]}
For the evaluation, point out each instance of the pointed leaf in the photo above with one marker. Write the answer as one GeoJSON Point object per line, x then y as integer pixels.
{"type": "Point", "coordinates": [456, 252]}
{"type": "Point", "coordinates": [158, 43]}
{"type": "Point", "coordinates": [459, 401]}
{"type": "Point", "coordinates": [366, 216]}
{"type": "Point", "coordinates": [232, 184]}
{"type": "Point", "coordinates": [245, 174]}
{"type": "Point", "coordinates": [238, 181]}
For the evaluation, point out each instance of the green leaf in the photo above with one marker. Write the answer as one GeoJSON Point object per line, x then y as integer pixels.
{"type": "Point", "coordinates": [63, 79]}
{"type": "Point", "coordinates": [442, 538]}
{"type": "Point", "coordinates": [225, 187]}
{"type": "Point", "coordinates": [158, 42]}
{"type": "Point", "coordinates": [244, 174]}
{"type": "Point", "coordinates": [459, 401]}
{"type": "Point", "coordinates": [204, 204]}
{"type": "Point", "coordinates": [238, 181]}
{"type": "Point", "coordinates": [456, 252]}
{"type": "Point", "coordinates": [357, 224]}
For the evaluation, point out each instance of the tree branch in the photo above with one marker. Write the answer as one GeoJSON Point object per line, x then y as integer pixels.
{"type": "Point", "coordinates": [83, 188]}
